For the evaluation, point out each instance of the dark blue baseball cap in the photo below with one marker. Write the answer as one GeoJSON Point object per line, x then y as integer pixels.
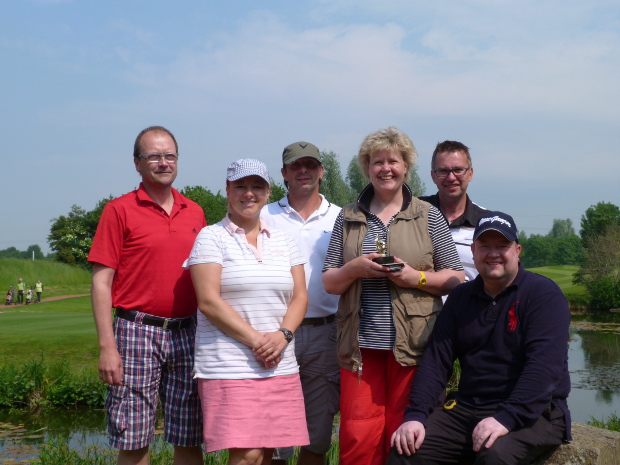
{"type": "Point", "coordinates": [500, 222]}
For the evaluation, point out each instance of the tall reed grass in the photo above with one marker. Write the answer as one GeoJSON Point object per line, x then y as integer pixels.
{"type": "Point", "coordinates": [36, 384]}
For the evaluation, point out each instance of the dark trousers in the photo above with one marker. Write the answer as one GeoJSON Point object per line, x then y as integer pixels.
{"type": "Point", "coordinates": [448, 439]}
{"type": "Point", "coordinates": [20, 297]}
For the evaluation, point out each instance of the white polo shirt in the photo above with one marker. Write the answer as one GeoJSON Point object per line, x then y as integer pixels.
{"type": "Point", "coordinates": [257, 283]}
{"type": "Point", "coordinates": [312, 237]}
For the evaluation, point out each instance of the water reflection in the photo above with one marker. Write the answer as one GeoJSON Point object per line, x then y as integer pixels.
{"type": "Point", "coordinates": [21, 433]}
{"type": "Point", "coordinates": [594, 364]}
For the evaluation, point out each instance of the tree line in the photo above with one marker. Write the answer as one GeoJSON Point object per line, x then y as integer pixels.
{"type": "Point", "coordinates": [595, 249]}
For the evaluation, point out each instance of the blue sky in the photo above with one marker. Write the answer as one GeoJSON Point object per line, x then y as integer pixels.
{"type": "Point", "coordinates": [530, 86]}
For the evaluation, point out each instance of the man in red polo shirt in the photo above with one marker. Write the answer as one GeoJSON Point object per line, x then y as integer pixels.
{"type": "Point", "coordinates": [146, 353]}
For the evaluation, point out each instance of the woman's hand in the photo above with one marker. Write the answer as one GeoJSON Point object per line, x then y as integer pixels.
{"type": "Point", "coordinates": [338, 280]}
{"type": "Point", "coordinates": [364, 267]}
{"type": "Point", "coordinates": [270, 347]}
{"type": "Point", "coordinates": [406, 276]}
{"type": "Point", "coordinates": [437, 282]}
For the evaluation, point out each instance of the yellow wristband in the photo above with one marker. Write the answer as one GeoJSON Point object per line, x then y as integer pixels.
{"type": "Point", "coordinates": [422, 280]}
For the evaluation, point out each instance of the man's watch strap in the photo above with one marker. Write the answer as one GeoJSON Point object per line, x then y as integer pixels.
{"type": "Point", "coordinates": [288, 334]}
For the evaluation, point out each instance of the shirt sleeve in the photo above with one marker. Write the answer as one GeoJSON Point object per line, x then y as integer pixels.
{"type": "Point", "coordinates": [108, 240]}
{"type": "Point", "coordinates": [334, 257]}
{"type": "Point", "coordinates": [208, 247]}
{"type": "Point", "coordinates": [444, 250]}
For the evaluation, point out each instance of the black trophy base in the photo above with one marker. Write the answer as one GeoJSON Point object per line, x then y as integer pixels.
{"type": "Point", "coordinates": [389, 262]}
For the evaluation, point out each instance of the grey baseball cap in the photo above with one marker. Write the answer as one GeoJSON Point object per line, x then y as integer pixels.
{"type": "Point", "coordinates": [247, 167]}
{"type": "Point", "coordinates": [299, 150]}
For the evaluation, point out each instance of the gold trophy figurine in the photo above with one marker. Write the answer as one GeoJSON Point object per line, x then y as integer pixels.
{"type": "Point", "coordinates": [385, 259]}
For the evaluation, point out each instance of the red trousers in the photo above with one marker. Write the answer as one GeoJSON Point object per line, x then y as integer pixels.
{"type": "Point", "coordinates": [370, 411]}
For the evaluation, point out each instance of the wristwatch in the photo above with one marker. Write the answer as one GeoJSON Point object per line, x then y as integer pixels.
{"type": "Point", "coordinates": [288, 335]}
{"type": "Point", "coordinates": [422, 280]}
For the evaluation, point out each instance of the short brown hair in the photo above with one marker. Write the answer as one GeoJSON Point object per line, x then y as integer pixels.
{"type": "Point", "coordinates": [450, 146]}
{"type": "Point", "coordinates": [136, 146]}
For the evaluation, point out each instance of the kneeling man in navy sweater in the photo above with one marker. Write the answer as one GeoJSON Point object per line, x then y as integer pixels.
{"type": "Point", "coordinates": [509, 330]}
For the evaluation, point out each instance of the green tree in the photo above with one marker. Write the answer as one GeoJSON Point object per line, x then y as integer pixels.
{"type": "Point", "coordinates": [600, 270]}
{"type": "Point", "coordinates": [38, 253]}
{"type": "Point", "coordinates": [415, 183]}
{"type": "Point", "coordinates": [562, 228]}
{"type": "Point", "coordinates": [333, 187]}
{"type": "Point", "coordinates": [70, 238]}
{"type": "Point", "coordinates": [11, 252]}
{"type": "Point", "coordinates": [278, 191]}
{"type": "Point", "coordinates": [355, 178]}
{"type": "Point", "coordinates": [597, 219]}
{"type": "Point", "coordinates": [214, 206]}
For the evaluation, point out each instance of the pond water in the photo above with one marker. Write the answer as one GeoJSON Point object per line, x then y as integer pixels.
{"type": "Point", "coordinates": [594, 363]}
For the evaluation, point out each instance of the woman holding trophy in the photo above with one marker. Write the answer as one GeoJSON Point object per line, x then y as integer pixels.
{"type": "Point", "coordinates": [391, 258]}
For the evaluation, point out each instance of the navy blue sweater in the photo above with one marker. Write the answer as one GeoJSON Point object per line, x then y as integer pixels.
{"type": "Point", "coordinates": [513, 351]}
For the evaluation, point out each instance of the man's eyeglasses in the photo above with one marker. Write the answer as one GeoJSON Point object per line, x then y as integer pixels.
{"type": "Point", "coordinates": [459, 172]}
{"type": "Point", "coordinates": [155, 157]}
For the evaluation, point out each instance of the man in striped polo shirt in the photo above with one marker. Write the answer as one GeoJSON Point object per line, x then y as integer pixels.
{"type": "Point", "coordinates": [451, 171]}
{"type": "Point", "coordinates": [309, 218]}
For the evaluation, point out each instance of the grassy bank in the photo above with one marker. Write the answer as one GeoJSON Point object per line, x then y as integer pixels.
{"type": "Point", "coordinates": [57, 331]}
{"type": "Point", "coordinates": [562, 275]}
{"type": "Point", "coordinates": [58, 452]}
{"type": "Point", "coordinates": [57, 278]}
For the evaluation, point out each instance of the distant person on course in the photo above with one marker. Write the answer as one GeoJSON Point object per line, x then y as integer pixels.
{"type": "Point", "coordinates": [21, 287]}
{"type": "Point", "coordinates": [147, 353]}
{"type": "Point", "coordinates": [509, 330]}
{"type": "Point", "coordinates": [38, 288]}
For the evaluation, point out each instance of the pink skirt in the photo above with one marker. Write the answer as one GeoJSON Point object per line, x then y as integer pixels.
{"type": "Point", "coordinates": [253, 413]}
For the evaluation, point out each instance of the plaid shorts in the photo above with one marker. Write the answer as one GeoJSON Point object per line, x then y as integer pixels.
{"type": "Point", "coordinates": [157, 363]}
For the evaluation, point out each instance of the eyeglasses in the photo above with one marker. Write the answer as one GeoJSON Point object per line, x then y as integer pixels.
{"type": "Point", "coordinates": [459, 172]}
{"type": "Point", "coordinates": [156, 157]}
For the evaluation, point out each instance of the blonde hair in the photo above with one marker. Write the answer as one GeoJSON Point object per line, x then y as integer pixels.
{"type": "Point", "coordinates": [387, 139]}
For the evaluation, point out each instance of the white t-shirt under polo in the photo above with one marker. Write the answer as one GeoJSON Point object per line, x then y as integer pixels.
{"type": "Point", "coordinates": [312, 237]}
{"type": "Point", "coordinates": [257, 283]}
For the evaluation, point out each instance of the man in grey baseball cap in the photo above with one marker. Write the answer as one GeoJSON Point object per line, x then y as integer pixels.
{"type": "Point", "coordinates": [309, 217]}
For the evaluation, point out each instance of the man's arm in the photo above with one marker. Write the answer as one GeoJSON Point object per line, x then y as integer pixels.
{"type": "Point", "coordinates": [110, 364]}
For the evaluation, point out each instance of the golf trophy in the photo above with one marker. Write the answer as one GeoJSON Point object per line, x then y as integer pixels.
{"type": "Point", "coordinates": [385, 259]}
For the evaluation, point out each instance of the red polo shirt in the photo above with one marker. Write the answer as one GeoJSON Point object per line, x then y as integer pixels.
{"type": "Point", "coordinates": [147, 248]}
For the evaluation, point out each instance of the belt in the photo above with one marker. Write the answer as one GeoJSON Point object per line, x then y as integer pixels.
{"type": "Point", "coordinates": [165, 323]}
{"type": "Point", "coordinates": [324, 320]}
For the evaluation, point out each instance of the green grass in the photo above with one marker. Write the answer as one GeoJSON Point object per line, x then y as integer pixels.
{"type": "Point", "coordinates": [612, 422]}
{"type": "Point", "coordinates": [562, 275]}
{"type": "Point", "coordinates": [57, 278]}
{"type": "Point", "coordinates": [59, 330]}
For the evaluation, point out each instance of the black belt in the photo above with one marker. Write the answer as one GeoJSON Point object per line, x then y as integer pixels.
{"type": "Point", "coordinates": [151, 320]}
{"type": "Point", "coordinates": [324, 320]}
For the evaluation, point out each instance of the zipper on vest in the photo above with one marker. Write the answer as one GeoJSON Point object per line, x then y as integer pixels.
{"type": "Point", "coordinates": [359, 374]}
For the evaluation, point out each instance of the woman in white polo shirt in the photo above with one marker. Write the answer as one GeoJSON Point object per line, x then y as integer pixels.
{"type": "Point", "coordinates": [250, 285]}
